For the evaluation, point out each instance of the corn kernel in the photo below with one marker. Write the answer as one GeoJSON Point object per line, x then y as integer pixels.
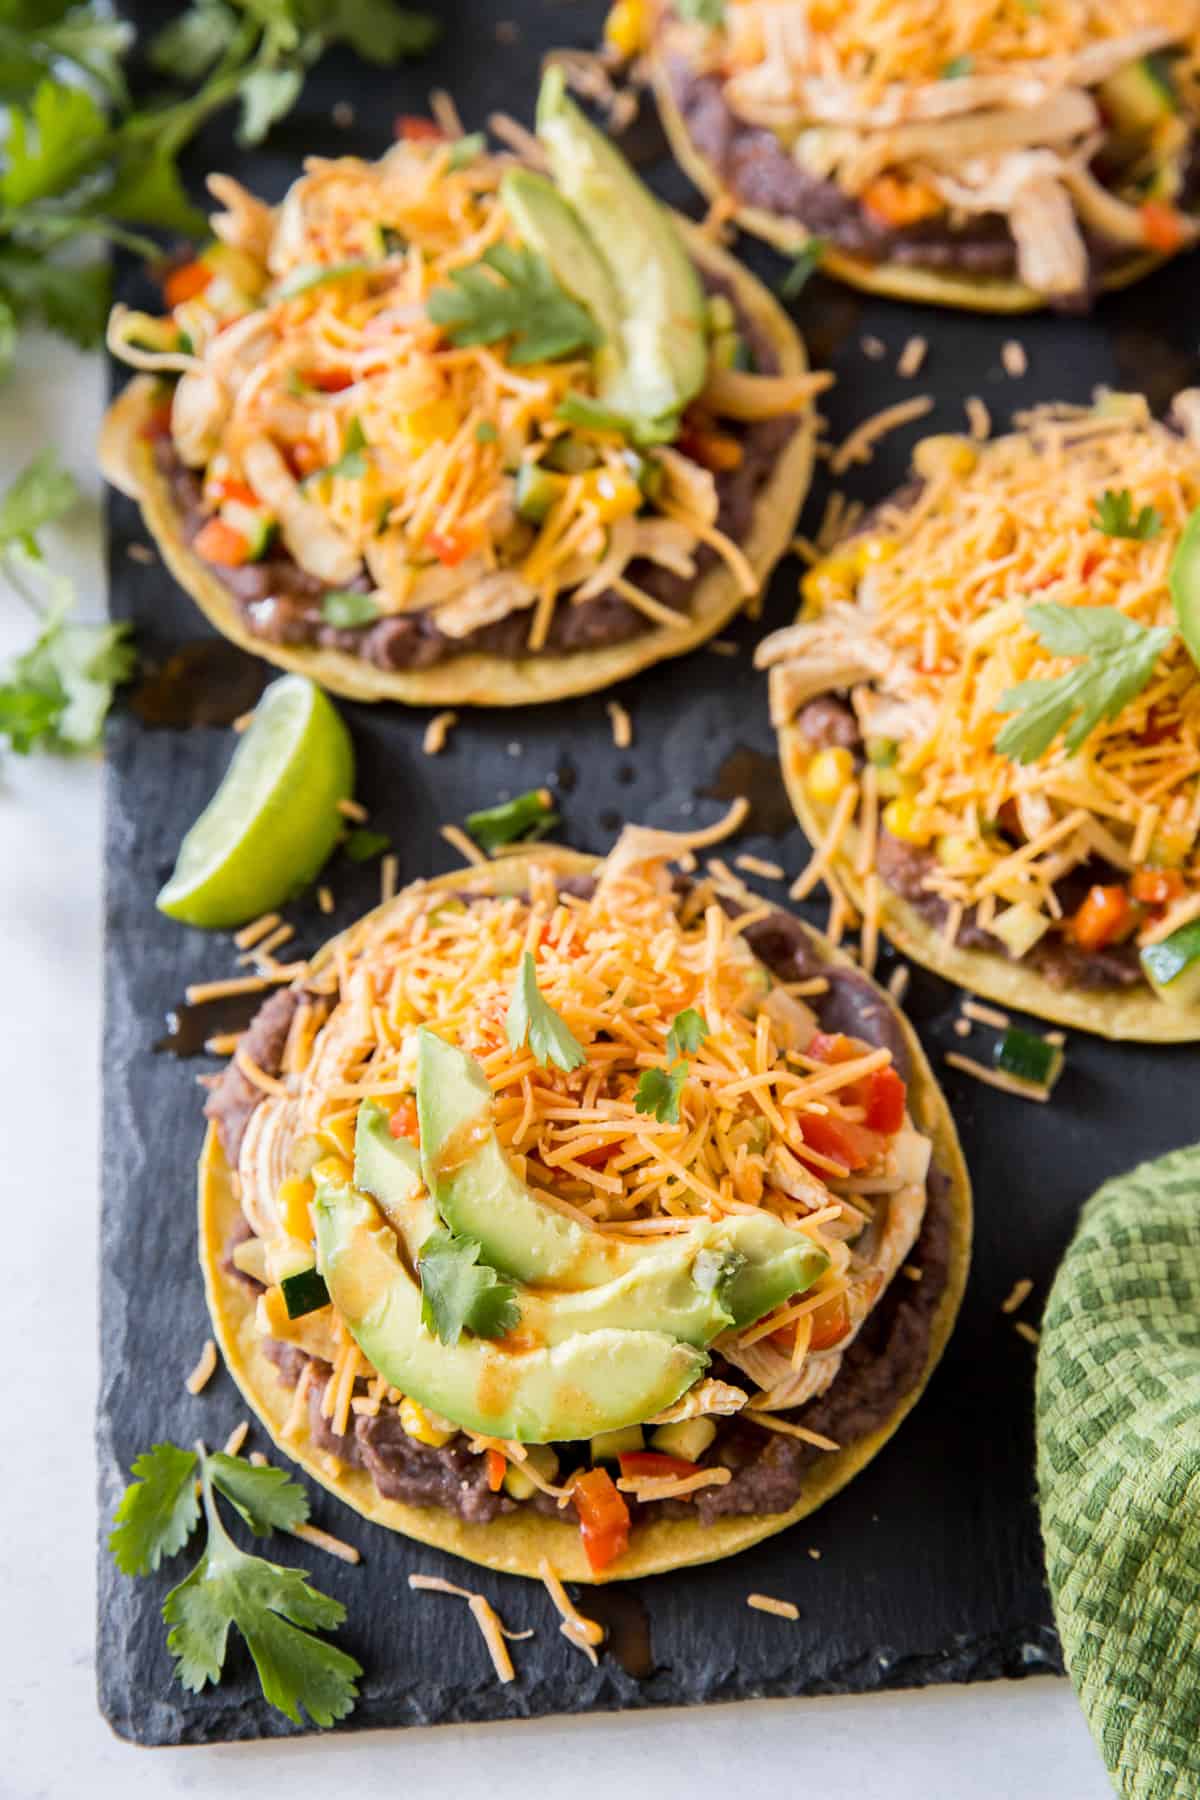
{"type": "Point", "coordinates": [877, 550]}
{"type": "Point", "coordinates": [944, 455]}
{"type": "Point", "coordinates": [338, 1134]}
{"type": "Point", "coordinates": [613, 496]}
{"type": "Point", "coordinates": [294, 1196]}
{"type": "Point", "coordinates": [626, 28]}
{"type": "Point", "coordinates": [954, 851]}
{"type": "Point", "coordinates": [828, 773]}
{"type": "Point", "coordinates": [902, 819]}
{"type": "Point", "coordinates": [428, 424]}
{"type": "Point", "coordinates": [833, 579]}
{"type": "Point", "coordinates": [333, 1168]}
{"type": "Point", "coordinates": [426, 1427]}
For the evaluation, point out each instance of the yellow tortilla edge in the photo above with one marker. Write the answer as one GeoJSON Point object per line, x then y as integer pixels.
{"type": "Point", "coordinates": [895, 281]}
{"type": "Point", "coordinates": [127, 461]}
{"type": "Point", "coordinates": [516, 1543]}
{"type": "Point", "coordinates": [1131, 1018]}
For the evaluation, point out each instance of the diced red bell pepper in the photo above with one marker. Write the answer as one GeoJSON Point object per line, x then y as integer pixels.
{"type": "Point", "coordinates": [403, 1122]}
{"type": "Point", "coordinates": [1157, 887]}
{"type": "Point", "coordinates": [185, 283]}
{"type": "Point", "coordinates": [414, 128]}
{"type": "Point", "coordinates": [834, 1047]}
{"type": "Point", "coordinates": [218, 542]}
{"type": "Point", "coordinates": [450, 547]}
{"type": "Point", "coordinates": [603, 1518]}
{"type": "Point", "coordinates": [497, 1465]}
{"type": "Point", "coordinates": [831, 1322]}
{"type": "Point", "coordinates": [886, 1096]}
{"type": "Point", "coordinates": [1104, 918]}
{"type": "Point", "coordinates": [329, 381]}
{"type": "Point", "coordinates": [656, 1464]}
{"type": "Point", "coordinates": [847, 1143]}
{"type": "Point", "coordinates": [229, 488]}
{"type": "Point", "coordinates": [1162, 227]}
{"type": "Point", "coordinates": [597, 1157]}
{"type": "Point", "coordinates": [711, 449]}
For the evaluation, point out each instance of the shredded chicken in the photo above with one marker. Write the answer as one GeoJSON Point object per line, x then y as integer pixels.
{"type": "Point", "coordinates": [246, 223]}
{"type": "Point", "coordinates": [317, 544]}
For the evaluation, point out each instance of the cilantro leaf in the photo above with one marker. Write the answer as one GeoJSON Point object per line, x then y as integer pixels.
{"type": "Point", "coordinates": [531, 1017]}
{"type": "Point", "coordinates": [148, 191]}
{"type": "Point", "coordinates": [266, 1498]}
{"type": "Point", "coordinates": [702, 12]}
{"type": "Point", "coordinates": [459, 1293]}
{"type": "Point", "coordinates": [485, 432]}
{"type": "Point", "coordinates": [687, 1033]}
{"type": "Point", "coordinates": [267, 95]}
{"type": "Point", "coordinates": [511, 293]}
{"type": "Point", "coordinates": [189, 46]}
{"type": "Point", "coordinates": [352, 463]}
{"type": "Point", "coordinates": [1114, 515]}
{"type": "Point", "coordinates": [8, 336]}
{"type": "Point", "coordinates": [805, 264]}
{"type": "Point", "coordinates": [276, 1612]}
{"type": "Point", "coordinates": [957, 67]}
{"type": "Point", "coordinates": [525, 815]}
{"type": "Point", "coordinates": [41, 493]}
{"type": "Point", "coordinates": [347, 609]}
{"type": "Point", "coordinates": [659, 1092]}
{"type": "Point", "coordinates": [381, 31]}
{"type": "Point", "coordinates": [362, 845]}
{"type": "Point", "coordinates": [59, 691]}
{"type": "Point", "coordinates": [73, 300]}
{"type": "Point", "coordinates": [158, 1511]}
{"type": "Point", "coordinates": [1120, 657]}
{"type": "Point", "coordinates": [50, 144]}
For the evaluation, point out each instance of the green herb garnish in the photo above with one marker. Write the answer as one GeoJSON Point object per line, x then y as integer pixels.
{"type": "Point", "coordinates": [485, 432]}
{"type": "Point", "coordinates": [1114, 515]}
{"type": "Point", "coordinates": [528, 815]}
{"type": "Point", "coordinates": [532, 1019]}
{"type": "Point", "coordinates": [805, 264]}
{"type": "Point", "coordinates": [362, 845]}
{"type": "Point", "coordinates": [460, 1293]}
{"type": "Point", "coordinates": [1120, 657]}
{"type": "Point", "coordinates": [957, 67]}
{"type": "Point", "coordinates": [659, 1091]}
{"type": "Point", "coordinates": [702, 12]}
{"type": "Point", "coordinates": [273, 1607]}
{"type": "Point", "coordinates": [346, 609]}
{"type": "Point", "coordinates": [511, 293]}
{"type": "Point", "coordinates": [306, 276]}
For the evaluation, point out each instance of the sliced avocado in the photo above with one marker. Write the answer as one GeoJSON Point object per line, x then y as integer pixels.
{"type": "Point", "coordinates": [1172, 967]}
{"type": "Point", "coordinates": [663, 340]}
{"type": "Point", "coordinates": [389, 1169]}
{"type": "Point", "coordinates": [1185, 585]}
{"type": "Point", "coordinates": [746, 1264]}
{"type": "Point", "coordinates": [550, 225]}
{"type": "Point", "coordinates": [598, 1381]}
{"type": "Point", "coordinates": [536, 491]}
{"type": "Point", "coordinates": [1139, 96]}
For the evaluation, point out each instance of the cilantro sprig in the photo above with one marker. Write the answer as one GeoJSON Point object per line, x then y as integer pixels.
{"type": "Point", "coordinates": [511, 293]}
{"type": "Point", "coordinates": [273, 1607]}
{"type": "Point", "coordinates": [1114, 515]}
{"type": "Point", "coordinates": [460, 1293]}
{"type": "Point", "coordinates": [1118, 657]}
{"type": "Point", "coordinates": [528, 816]}
{"type": "Point", "coordinates": [58, 692]}
{"type": "Point", "coordinates": [659, 1091]}
{"type": "Point", "coordinates": [531, 1019]}
{"type": "Point", "coordinates": [80, 165]}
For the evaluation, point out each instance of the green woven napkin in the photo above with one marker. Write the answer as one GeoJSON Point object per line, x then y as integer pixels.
{"type": "Point", "coordinates": [1118, 1416]}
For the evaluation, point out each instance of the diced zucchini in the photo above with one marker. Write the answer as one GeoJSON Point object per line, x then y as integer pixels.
{"type": "Point", "coordinates": [542, 1459]}
{"type": "Point", "coordinates": [611, 1444]}
{"type": "Point", "coordinates": [254, 523]}
{"type": "Point", "coordinates": [1173, 967]}
{"type": "Point", "coordinates": [304, 1293]}
{"type": "Point", "coordinates": [1029, 1057]}
{"type": "Point", "coordinates": [537, 490]}
{"type": "Point", "coordinates": [1139, 96]}
{"type": "Point", "coordinates": [388, 241]}
{"type": "Point", "coordinates": [159, 336]}
{"type": "Point", "coordinates": [647, 471]}
{"type": "Point", "coordinates": [688, 1438]}
{"type": "Point", "coordinates": [882, 752]}
{"type": "Point", "coordinates": [570, 455]}
{"type": "Point", "coordinates": [1019, 927]}
{"type": "Point", "coordinates": [1185, 585]}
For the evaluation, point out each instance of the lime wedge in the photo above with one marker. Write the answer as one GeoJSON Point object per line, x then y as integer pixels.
{"type": "Point", "coordinates": [274, 819]}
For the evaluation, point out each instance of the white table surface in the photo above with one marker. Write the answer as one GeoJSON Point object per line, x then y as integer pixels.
{"type": "Point", "coordinates": [990, 1742]}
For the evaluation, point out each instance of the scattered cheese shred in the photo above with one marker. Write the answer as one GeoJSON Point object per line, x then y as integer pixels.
{"type": "Point", "coordinates": [437, 732]}
{"type": "Point", "coordinates": [858, 447]}
{"type": "Point", "coordinates": [257, 928]}
{"type": "Point", "coordinates": [782, 1609]}
{"type": "Point", "coordinates": [325, 1540]}
{"type": "Point", "coordinates": [1008, 1084]}
{"type": "Point", "coordinates": [484, 1615]}
{"type": "Point", "coordinates": [622, 725]}
{"type": "Point", "coordinates": [204, 1370]}
{"type": "Point", "coordinates": [1018, 1294]}
{"type": "Point", "coordinates": [458, 840]}
{"type": "Point", "coordinates": [237, 1437]}
{"type": "Point", "coordinates": [584, 1633]}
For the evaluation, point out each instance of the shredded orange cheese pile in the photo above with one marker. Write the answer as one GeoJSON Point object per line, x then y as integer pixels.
{"type": "Point", "coordinates": [940, 593]}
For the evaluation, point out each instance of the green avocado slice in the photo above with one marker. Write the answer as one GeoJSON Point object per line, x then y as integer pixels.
{"type": "Point", "coordinates": [547, 223]}
{"type": "Point", "coordinates": [751, 1262]}
{"type": "Point", "coordinates": [591, 1382]}
{"type": "Point", "coordinates": [663, 316]}
{"type": "Point", "coordinates": [1185, 585]}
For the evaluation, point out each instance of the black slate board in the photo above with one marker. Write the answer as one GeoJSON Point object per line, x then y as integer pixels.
{"type": "Point", "coordinates": [929, 1566]}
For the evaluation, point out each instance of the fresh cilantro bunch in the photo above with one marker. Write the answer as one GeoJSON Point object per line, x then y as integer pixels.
{"type": "Point", "coordinates": [273, 1607]}
{"type": "Point", "coordinates": [659, 1091]}
{"type": "Point", "coordinates": [58, 692]}
{"type": "Point", "coordinates": [80, 165]}
{"type": "Point", "coordinates": [511, 293]}
{"type": "Point", "coordinates": [1118, 657]}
